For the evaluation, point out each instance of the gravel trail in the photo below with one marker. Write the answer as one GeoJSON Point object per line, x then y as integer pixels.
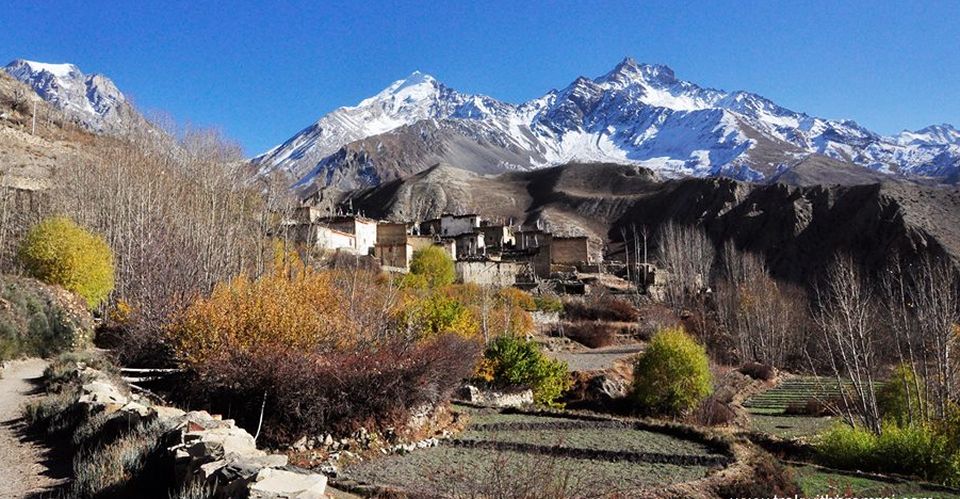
{"type": "Point", "coordinates": [24, 463]}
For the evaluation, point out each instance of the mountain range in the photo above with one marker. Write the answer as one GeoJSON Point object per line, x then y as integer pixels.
{"type": "Point", "coordinates": [636, 114]}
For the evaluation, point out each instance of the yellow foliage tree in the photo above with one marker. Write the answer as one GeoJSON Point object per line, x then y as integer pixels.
{"type": "Point", "coordinates": [58, 251]}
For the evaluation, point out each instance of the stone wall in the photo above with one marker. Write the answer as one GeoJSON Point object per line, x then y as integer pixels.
{"type": "Point", "coordinates": [391, 233]}
{"type": "Point", "coordinates": [204, 447]}
{"type": "Point", "coordinates": [488, 273]}
{"type": "Point", "coordinates": [569, 250]}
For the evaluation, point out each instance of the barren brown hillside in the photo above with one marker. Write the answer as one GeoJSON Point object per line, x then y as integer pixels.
{"type": "Point", "coordinates": [798, 229]}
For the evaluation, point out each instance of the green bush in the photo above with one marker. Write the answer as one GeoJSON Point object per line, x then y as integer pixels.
{"type": "Point", "coordinates": [547, 303]}
{"type": "Point", "coordinates": [672, 375]}
{"type": "Point", "coordinates": [58, 251]}
{"type": "Point", "coordinates": [898, 398]}
{"type": "Point", "coordinates": [919, 450]}
{"type": "Point", "coordinates": [845, 446]}
{"type": "Point", "coordinates": [434, 265]}
{"type": "Point", "coordinates": [511, 361]}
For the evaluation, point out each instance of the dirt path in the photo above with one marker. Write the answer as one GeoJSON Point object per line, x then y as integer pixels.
{"type": "Point", "coordinates": [597, 359]}
{"type": "Point", "coordinates": [24, 470]}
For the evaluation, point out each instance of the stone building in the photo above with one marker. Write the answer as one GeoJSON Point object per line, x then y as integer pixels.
{"type": "Point", "coordinates": [570, 250]}
{"type": "Point", "coordinates": [363, 230]}
{"type": "Point", "coordinates": [498, 237]}
{"type": "Point", "coordinates": [396, 245]}
{"type": "Point", "coordinates": [341, 233]}
{"type": "Point", "coordinates": [450, 225]}
{"type": "Point", "coordinates": [470, 245]}
{"type": "Point", "coordinates": [488, 273]}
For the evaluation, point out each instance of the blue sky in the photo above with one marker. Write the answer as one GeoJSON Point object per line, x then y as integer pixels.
{"type": "Point", "coordinates": [261, 71]}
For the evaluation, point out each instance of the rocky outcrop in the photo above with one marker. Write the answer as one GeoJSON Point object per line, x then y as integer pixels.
{"type": "Point", "coordinates": [204, 448]}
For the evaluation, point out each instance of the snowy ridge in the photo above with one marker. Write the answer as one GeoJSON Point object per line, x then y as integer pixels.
{"type": "Point", "coordinates": [92, 100]}
{"type": "Point", "coordinates": [636, 113]}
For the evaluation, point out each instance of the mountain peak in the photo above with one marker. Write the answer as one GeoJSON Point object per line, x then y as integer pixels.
{"type": "Point", "coordinates": [63, 70]}
{"type": "Point", "coordinates": [630, 70]}
{"type": "Point", "coordinates": [91, 99]}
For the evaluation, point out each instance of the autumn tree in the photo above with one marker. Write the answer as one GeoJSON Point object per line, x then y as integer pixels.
{"type": "Point", "coordinates": [58, 251]}
{"type": "Point", "coordinates": [672, 375]}
{"type": "Point", "coordinates": [922, 307]}
{"type": "Point", "coordinates": [434, 265]}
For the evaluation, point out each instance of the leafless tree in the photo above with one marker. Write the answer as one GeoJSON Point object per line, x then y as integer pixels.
{"type": "Point", "coordinates": [850, 339]}
{"type": "Point", "coordinates": [765, 317]}
{"type": "Point", "coordinates": [922, 305]}
{"type": "Point", "coordinates": [687, 254]}
{"type": "Point", "coordinates": [177, 212]}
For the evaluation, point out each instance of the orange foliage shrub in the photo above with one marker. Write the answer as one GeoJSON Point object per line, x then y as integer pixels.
{"type": "Point", "coordinates": [326, 350]}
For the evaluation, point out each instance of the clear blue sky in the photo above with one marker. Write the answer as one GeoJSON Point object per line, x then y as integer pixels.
{"type": "Point", "coordinates": [262, 71]}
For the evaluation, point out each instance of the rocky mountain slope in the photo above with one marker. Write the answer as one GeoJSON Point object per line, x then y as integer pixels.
{"type": "Point", "coordinates": [637, 114]}
{"type": "Point", "coordinates": [799, 229]}
{"type": "Point", "coordinates": [92, 101]}
{"type": "Point", "coordinates": [30, 150]}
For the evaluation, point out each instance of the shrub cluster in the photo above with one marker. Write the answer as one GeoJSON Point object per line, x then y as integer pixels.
{"type": "Point", "coordinates": [604, 308]}
{"type": "Point", "coordinates": [920, 450]}
{"type": "Point", "coordinates": [325, 351]}
{"type": "Point", "coordinates": [901, 398]}
{"type": "Point", "coordinates": [548, 303]}
{"type": "Point", "coordinates": [37, 320]}
{"type": "Point", "coordinates": [112, 455]}
{"type": "Point", "coordinates": [512, 361]}
{"type": "Point", "coordinates": [672, 375]}
{"type": "Point", "coordinates": [759, 371]}
{"type": "Point", "coordinates": [304, 392]}
{"type": "Point", "coordinates": [58, 251]}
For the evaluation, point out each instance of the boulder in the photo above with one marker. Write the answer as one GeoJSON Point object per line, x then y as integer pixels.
{"type": "Point", "coordinates": [221, 442]}
{"type": "Point", "coordinates": [101, 392]}
{"type": "Point", "coordinates": [604, 388]}
{"type": "Point", "coordinates": [271, 483]}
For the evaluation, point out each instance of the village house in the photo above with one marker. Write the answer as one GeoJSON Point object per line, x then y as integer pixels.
{"type": "Point", "coordinates": [349, 233]}
{"type": "Point", "coordinates": [570, 250]}
{"type": "Point", "coordinates": [497, 237]}
{"type": "Point", "coordinates": [470, 245]}
{"type": "Point", "coordinates": [395, 245]}
{"type": "Point", "coordinates": [450, 225]}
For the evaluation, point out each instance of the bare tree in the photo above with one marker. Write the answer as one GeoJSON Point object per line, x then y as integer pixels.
{"type": "Point", "coordinates": [687, 254]}
{"type": "Point", "coordinates": [178, 214]}
{"type": "Point", "coordinates": [765, 317]}
{"type": "Point", "coordinates": [922, 304]}
{"type": "Point", "coordinates": [846, 317]}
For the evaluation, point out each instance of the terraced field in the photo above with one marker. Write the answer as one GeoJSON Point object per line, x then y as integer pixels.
{"type": "Point", "coordinates": [566, 456]}
{"type": "Point", "coordinates": [796, 390]}
{"type": "Point", "coordinates": [790, 426]}
{"type": "Point", "coordinates": [815, 482]}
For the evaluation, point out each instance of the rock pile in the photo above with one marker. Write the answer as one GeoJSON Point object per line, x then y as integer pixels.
{"type": "Point", "coordinates": [492, 398]}
{"type": "Point", "coordinates": [204, 447]}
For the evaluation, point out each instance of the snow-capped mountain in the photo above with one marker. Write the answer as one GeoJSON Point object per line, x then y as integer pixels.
{"type": "Point", "coordinates": [92, 100]}
{"type": "Point", "coordinates": [638, 114]}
